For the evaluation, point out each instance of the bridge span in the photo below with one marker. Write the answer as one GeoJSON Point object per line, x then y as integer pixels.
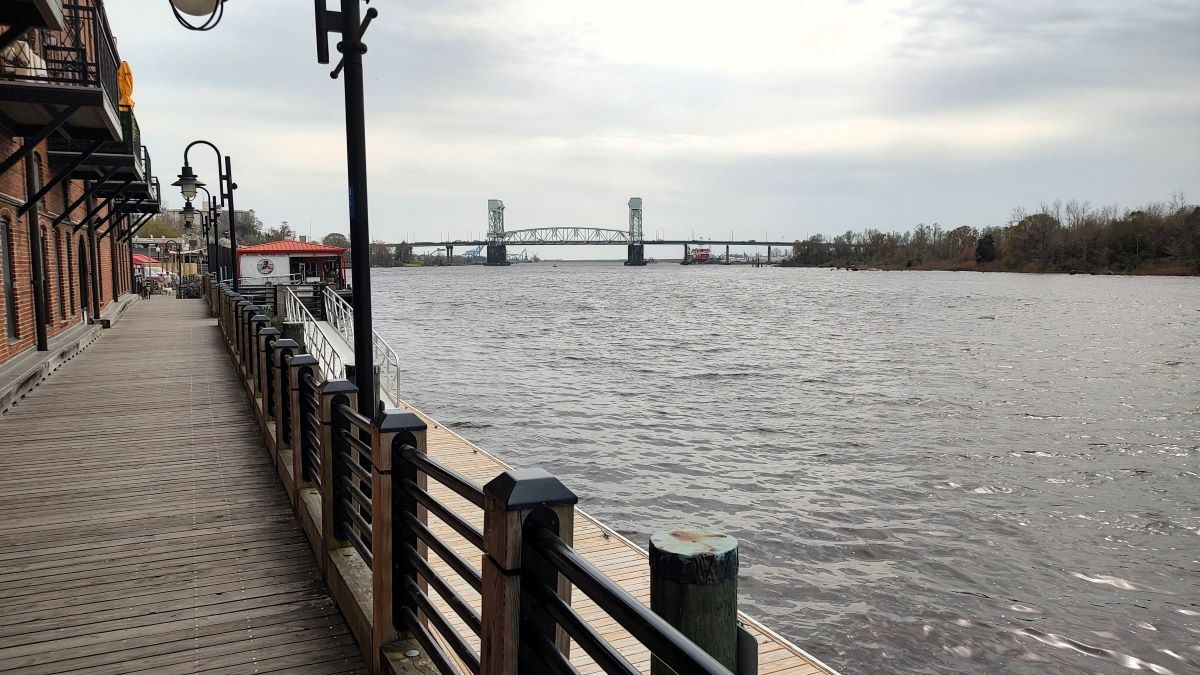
{"type": "Point", "coordinates": [498, 238]}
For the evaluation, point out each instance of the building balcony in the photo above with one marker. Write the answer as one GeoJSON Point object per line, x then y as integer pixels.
{"type": "Point", "coordinates": [66, 77]}
{"type": "Point", "coordinates": [116, 160]}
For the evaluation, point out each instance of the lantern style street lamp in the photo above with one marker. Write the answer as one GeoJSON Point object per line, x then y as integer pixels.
{"type": "Point", "coordinates": [189, 185]}
{"type": "Point", "coordinates": [211, 10]}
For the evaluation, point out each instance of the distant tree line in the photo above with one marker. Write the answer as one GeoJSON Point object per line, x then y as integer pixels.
{"type": "Point", "coordinates": [1072, 236]}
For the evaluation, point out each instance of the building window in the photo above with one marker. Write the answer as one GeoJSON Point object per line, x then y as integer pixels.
{"type": "Point", "coordinates": [58, 264]}
{"type": "Point", "coordinates": [10, 279]}
{"type": "Point", "coordinates": [46, 296]}
{"type": "Point", "coordinates": [66, 245]}
{"type": "Point", "coordinates": [37, 175]}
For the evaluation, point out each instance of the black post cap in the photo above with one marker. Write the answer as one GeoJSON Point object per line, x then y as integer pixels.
{"type": "Point", "coordinates": [388, 421]}
{"type": "Point", "coordinates": [521, 489]}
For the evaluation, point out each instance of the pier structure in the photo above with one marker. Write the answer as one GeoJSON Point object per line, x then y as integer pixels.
{"type": "Point", "coordinates": [242, 515]}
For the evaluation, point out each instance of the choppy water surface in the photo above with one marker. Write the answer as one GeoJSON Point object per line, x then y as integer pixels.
{"type": "Point", "coordinates": [928, 472]}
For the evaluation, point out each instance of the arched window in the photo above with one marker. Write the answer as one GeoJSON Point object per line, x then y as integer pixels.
{"type": "Point", "coordinates": [10, 279]}
{"type": "Point", "coordinates": [37, 177]}
{"type": "Point", "coordinates": [66, 245]}
{"type": "Point", "coordinates": [58, 270]}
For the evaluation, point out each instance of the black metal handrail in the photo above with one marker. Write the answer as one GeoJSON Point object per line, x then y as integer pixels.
{"type": "Point", "coordinates": [310, 425]}
{"type": "Point", "coordinates": [454, 560]}
{"type": "Point", "coordinates": [663, 640]}
{"type": "Point", "coordinates": [408, 618]}
{"type": "Point", "coordinates": [463, 486]}
{"type": "Point", "coordinates": [461, 607]}
{"type": "Point", "coordinates": [465, 529]}
{"type": "Point", "coordinates": [351, 479]}
{"type": "Point", "coordinates": [461, 649]}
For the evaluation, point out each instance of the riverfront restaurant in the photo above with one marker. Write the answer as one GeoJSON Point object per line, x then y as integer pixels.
{"type": "Point", "coordinates": [291, 261]}
{"type": "Point", "coordinates": [75, 179]}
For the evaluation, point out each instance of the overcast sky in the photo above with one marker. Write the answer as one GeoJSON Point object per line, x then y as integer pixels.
{"type": "Point", "coordinates": [783, 118]}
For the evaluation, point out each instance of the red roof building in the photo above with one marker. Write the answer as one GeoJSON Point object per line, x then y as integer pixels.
{"type": "Point", "coordinates": [291, 261]}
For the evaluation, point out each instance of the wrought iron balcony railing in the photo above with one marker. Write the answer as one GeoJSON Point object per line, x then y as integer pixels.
{"type": "Point", "coordinates": [83, 54]}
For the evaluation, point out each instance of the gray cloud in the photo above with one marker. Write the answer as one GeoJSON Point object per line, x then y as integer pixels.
{"type": "Point", "coordinates": [876, 114]}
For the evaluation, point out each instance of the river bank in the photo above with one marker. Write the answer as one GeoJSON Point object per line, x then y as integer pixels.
{"type": "Point", "coordinates": [1155, 269]}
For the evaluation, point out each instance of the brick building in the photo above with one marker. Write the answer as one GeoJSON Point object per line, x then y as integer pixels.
{"type": "Point", "coordinates": [75, 181]}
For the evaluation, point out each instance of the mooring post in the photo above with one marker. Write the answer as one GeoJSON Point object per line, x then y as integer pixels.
{"type": "Point", "coordinates": [693, 585]}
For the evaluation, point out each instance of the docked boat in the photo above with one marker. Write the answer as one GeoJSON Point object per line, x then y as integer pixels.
{"type": "Point", "coordinates": [698, 256]}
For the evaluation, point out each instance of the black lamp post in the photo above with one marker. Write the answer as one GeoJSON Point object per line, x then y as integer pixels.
{"type": "Point", "coordinates": [188, 185]}
{"type": "Point", "coordinates": [209, 221]}
{"type": "Point", "coordinates": [166, 248]}
{"type": "Point", "coordinates": [348, 22]}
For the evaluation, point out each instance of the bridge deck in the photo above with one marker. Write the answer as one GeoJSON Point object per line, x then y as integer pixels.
{"type": "Point", "coordinates": [623, 561]}
{"type": "Point", "coordinates": [142, 525]}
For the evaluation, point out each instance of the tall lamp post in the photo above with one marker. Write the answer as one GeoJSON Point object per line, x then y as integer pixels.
{"type": "Point", "coordinates": [189, 184]}
{"type": "Point", "coordinates": [166, 248]}
{"type": "Point", "coordinates": [349, 23]}
{"type": "Point", "coordinates": [208, 220]}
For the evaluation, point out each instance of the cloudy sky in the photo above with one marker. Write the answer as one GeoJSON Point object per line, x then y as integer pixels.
{"type": "Point", "coordinates": [758, 117]}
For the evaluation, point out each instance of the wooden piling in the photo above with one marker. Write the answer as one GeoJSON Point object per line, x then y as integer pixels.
{"type": "Point", "coordinates": [693, 585]}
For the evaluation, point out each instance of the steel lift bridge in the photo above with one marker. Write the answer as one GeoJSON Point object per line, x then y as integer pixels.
{"type": "Point", "coordinates": [498, 238]}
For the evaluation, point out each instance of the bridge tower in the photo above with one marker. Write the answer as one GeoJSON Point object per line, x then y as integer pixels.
{"type": "Point", "coordinates": [497, 252]}
{"type": "Point", "coordinates": [636, 254]}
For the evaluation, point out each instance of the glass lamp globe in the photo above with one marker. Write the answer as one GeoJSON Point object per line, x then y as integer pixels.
{"type": "Point", "coordinates": [196, 7]}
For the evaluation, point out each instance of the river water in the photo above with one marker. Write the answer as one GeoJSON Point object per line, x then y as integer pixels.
{"type": "Point", "coordinates": [928, 472]}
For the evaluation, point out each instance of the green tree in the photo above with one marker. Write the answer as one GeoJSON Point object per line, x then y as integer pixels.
{"type": "Point", "coordinates": [985, 250]}
{"type": "Point", "coordinates": [284, 231]}
{"type": "Point", "coordinates": [336, 239]}
{"type": "Point", "coordinates": [404, 254]}
{"type": "Point", "coordinates": [381, 255]}
{"type": "Point", "coordinates": [157, 227]}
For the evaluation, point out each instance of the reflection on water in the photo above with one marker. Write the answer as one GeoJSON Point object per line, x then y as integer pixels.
{"type": "Point", "coordinates": [929, 472]}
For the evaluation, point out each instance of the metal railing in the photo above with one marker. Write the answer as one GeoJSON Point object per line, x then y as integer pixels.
{"type": "Point", "coordinates": [83, 54]}
{"type": "Point", "coordinates": [340, 315]}
{"type": "Point", "coordinates": [315, 341]}
{"type": "Point", "coordinates": [308, 417]}
{"type": "Point", "coordinates": [352, 467]}
{"type": "Point", "coordinates": [412, 468]}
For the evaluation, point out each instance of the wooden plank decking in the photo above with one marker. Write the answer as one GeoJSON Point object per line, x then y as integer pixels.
{"type": "Point", "coordinates": [143, 527]}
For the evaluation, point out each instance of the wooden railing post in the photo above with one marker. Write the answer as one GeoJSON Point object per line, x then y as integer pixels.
{"type": "Point", "coordinates": [693, 585]}
{"type": "Point", "coordinates": [333, 392]}
{"type": "Point", "coordinates": [281, 293]}
{"type": "Point", "coordinates": [267, 337]}
{"type": "Point", "coordinates": [391, 430]}
{"type": "Point", "coordinates": [257, 322]}
{"type": "Point", "coordinates": [239, 319]}
{"type": "Point", "coordinates": [513, 500]}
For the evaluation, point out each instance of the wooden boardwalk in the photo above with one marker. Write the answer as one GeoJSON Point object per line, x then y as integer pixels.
{"type": "Point", "coordinates": [143, 527]}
